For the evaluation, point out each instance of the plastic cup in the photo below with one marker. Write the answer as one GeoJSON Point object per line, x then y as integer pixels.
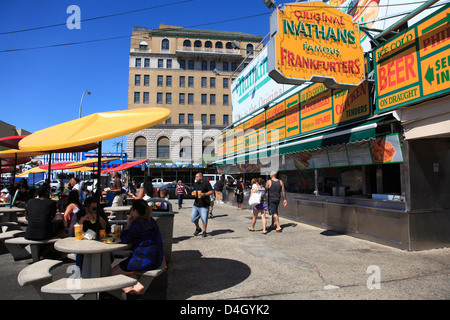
{"type": "Point", "coordinates": [78, 230]}
{"type": "Point", "coordinates": [102, 234]}
{"type": "Point", "coordinates": [117, 230]}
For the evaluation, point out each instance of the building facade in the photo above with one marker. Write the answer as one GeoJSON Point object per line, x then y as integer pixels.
{"type": "Point", "coordinates": [190, 72]}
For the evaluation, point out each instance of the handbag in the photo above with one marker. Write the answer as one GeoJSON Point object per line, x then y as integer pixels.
{"type": "Point", "coordinates": [254, 199]}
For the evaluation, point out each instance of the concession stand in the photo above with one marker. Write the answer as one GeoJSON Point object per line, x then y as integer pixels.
{"type": "Point", "coordinates": [367, 157]}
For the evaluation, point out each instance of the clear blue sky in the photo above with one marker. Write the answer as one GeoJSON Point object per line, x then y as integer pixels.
{"type": "Point", "coordinates": [43, 87]}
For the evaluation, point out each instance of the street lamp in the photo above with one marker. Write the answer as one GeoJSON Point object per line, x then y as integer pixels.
{"type": "Point", "coordinates": [270, 3]}
{"type": "Point", "coordinates": [81, 102]}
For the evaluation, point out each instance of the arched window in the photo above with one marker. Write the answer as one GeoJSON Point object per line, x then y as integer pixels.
{"type": "Point", "coordinates": [208, 150]}
{"type": "Point", "coordinates": [208, 46]}
{"type": "Point", "coordinates": [186, 148]}
{"type": "Point", "coordinates": [250, 50]}
{"type": "Point", "coordinates": [165, 44]}
{"type": "Point", "coordinates": [143, 45]}
{"type": "Point", "coordinates": [163, 148]}
{"type": "Point", "coordinates": [229, 46]}
{"type": "Point", "coordinates": [197, 45]}
{"type": "Point", "coordinates": [187, 44]}
{"type": "Point", "coordinates": [140, 147]}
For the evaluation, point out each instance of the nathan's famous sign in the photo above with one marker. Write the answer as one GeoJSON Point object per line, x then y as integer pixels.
{"type": "Point", "coordinates": [315, 42]}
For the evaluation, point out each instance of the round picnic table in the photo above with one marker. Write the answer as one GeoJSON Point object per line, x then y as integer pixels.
{"type": "Point", "coordinates": [10, 214]}
{"type": "Point", "coordinates": [120, 212]}
{"type": "Point", "coordinates": [96, 255]}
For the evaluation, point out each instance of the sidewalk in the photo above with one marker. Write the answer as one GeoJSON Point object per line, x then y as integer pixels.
{"type": "Point", "coordinates": [302, 262]}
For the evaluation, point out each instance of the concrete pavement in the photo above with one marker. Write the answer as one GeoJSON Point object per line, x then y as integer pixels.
{"type": "Point", "coordinates": [301, 262]}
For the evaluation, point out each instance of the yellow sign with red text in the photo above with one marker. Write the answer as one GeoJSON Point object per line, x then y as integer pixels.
{"type": "Point", "coordinates": [315, 42]}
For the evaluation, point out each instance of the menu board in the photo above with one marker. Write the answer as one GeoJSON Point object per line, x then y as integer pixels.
{"type": "Point", "coordinates": [359, 153]}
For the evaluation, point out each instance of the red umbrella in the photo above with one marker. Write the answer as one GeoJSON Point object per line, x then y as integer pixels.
{"type": "Point", "coordinates": [11, 142]}
{"type": "Point", "coordinates": [13, 162]}
{"type": "Point", "coordinates": [125, 166]}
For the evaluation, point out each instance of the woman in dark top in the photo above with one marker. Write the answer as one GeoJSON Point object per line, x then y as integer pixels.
{"type": "Point", "coordinates": [143, 234]}
{"type": "Point", "coordinates": [240, 193]}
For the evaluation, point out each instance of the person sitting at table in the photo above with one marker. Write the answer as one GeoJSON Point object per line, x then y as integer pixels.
{"type": "Point", "coordinates": [163, 194]}
{"type": "Point", "coordinates": [23, 195]}
{"type": "Point", "coordinates": [5, 196]}
{"type": "Point", "coordinates": [143, 234]}
{"type": "Point", "coordinates": [146, 191]}
{"type": "Point", "coordinates": [87, 216]}
{"type": "Point", "coordinates": [73, 207]}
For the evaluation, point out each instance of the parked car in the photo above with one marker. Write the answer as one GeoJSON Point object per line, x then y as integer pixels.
{"type": "Point", "coordinates": [171, 189]}
{"type": "Point", "coordinates": [159, 182]}
{"type": "Point", "coordinates": [54, 184]}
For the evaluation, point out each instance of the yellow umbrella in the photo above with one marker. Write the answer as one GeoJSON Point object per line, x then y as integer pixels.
{"type": "Point", "coordinates": [83, 169]}
{"type": "Point", "coordinates": [92, 160]}
{"type": "Point", "coordinates": [93, 128]}
{"type": "Point", "coordinates": [33, 170]}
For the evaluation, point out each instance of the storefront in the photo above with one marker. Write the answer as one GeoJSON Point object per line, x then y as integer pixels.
{"type": "Point", "coordinates": [370, 161]}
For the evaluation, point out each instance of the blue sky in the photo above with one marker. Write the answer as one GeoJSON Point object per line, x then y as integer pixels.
{"type": "Point", "coordinates": [43, 87]}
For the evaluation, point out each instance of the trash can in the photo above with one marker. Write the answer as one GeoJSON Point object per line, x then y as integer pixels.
{"type": "Point", "coordinates": [164, 219]}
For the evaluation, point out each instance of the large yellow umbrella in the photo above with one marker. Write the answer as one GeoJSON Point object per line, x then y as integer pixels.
{"type": "Point", "coordinates": [93, 128]}
{"type": "Point", "coordinates": [90, 161]}
{"type": "Point", "coordinates": [33, 170]}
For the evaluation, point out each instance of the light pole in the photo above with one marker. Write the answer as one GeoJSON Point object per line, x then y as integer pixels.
{"type": "Point", "coordinates": [79, 113]}
{"type": "Point", "coordinates": [81, 102]}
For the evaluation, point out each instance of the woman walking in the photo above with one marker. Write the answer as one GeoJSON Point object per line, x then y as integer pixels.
{"type": "Point", "coordinates": [259, 187]}
{"type": "Point", "coordinates": [181, 191]}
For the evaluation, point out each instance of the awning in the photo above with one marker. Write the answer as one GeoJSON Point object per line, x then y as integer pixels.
{"type": "Point", "coordinates": [338, 136]}
{"type": "Point", "coordinates": [350, 134]}
{"type": "Point", "coordinates": [126, 165]}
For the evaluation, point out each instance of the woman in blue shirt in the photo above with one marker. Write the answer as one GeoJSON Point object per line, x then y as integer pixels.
{"type": "Point", "coordinates": [142, 233]}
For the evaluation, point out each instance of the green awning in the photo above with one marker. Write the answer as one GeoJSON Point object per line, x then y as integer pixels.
{"type": "Point", "coordinates": [337, 136]}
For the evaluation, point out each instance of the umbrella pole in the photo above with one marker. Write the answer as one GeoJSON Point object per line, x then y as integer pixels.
{"type": "Point", "coordinates": [49, 167]}
{"type": "Point", "coordinates": [99, 187]}
{"type": "Point", "coordinates": [14, 170]}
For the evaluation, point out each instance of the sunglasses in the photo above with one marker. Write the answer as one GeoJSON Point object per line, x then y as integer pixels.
{"type": "Point", "coordinates": [94, 208]}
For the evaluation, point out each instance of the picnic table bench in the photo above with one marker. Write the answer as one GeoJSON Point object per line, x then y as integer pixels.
{"type": "Point", "coordinates": [16, 244]}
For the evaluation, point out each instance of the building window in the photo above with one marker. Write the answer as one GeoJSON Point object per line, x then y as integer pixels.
{"type": "Point", "coordinates": [190, 98]}
{"type": "Point", "coordinates": [191, 64]}
{"type": "Point", "coordinates": [183, 64]}
{"type": "Point", "coordinates": [212, 119]}
{"type": "Point", "coordinates": [169, 121]}
{"type": "Point", "coordinates": [191, 82]}
{"type": "Point", "coordinates": [225, 83]}
{"type": "Point", "coordinates": [160, 63]}
{"type": "Point", "coordinates": [137, 80]}
{"type": "Point", "coordinates": [233, 66]}
{"type": "Point", "coordinates": [140, 147]}
{"type": "Point", "coordinates": [137, 97]}
{"type": "Point", "coordinates": [225, 66]}
{"type": "Point", "coordinates": [190, 118]}
{"type": "Point", "coordinates": [225, 120]}
{"type": "Point", "coordinates": [219, 46]}
{"type": "Point", "coordinates": [146, 80]}
{"type": "Point", "coordinates": [169, 81]}
{"type": "Point", "coordinates": [212, 82]}
{"type": "Point", "coordinates": [160, 81]}
{"type": "Point", "coordinates": [159, 98]}
{"type": "Point", "coordinates": [182, 98]}
{"type": "Point", "coordinates": [146, 63]}
{"type": "Point", "coordinates": [181, 118]}
{"type": "Point", "coordinates": [204, 98]}
{"type": "Point", "coordinates": [187, 44]}
{"type": "Point", "coordinates": [182, 81]}
{"type": "Point", "coordinates": [212, 99]}
{"type": "Point", "coordinates": [165, 44]}
{"type": "Point", "coordinates": [143, 45]}
{"type": "Point", "coordinates": [203, 82]}
{"type": "Point", "coordinates": [138, 62]}
{"type": "Point", "coordinates": [168, 97]}
{"type": "Point", "coordinates": [250, 50]}
{"type": "Point", "coordinates": [204, 65]}
{"type": "Point", "coordinates": [208, 149]}
{"type": "Point", "coordinates": [197, 45]}
{"type": "Point", "coordinates": [226, 101]}
{"type": "Point", "coordinates": [163, 148]}
{"type": "Point", "coordinates": [186, 148]}
{"type": "Point", "coordinates": [212, 65]}
{"type": "Point", "coordinates": [146, 94]}
{"type": "Point", "coordinates": [203, 118]}
{"type": "Point", "coordinates": [208, 46]}
{"type": "Point", "coordinates": [169, 64]}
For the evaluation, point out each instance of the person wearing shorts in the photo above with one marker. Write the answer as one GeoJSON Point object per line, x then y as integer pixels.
{"type": "Point", "coordinates": [201, 191]}
{"type": "Point", "coordinates": [275, 188]}
{"type": "Point", "coordinates": [259, 187]}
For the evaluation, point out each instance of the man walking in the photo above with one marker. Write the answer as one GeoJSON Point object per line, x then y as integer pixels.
{"type": "Point", "coordinates": [275, 189]}
{"type": "Point", "coordinates": [117, 191]}
{"type": "Point", "coordinates": [201, 191]}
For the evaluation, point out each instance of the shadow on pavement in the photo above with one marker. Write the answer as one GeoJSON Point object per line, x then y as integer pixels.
{"type": "Point", "coordinates": [190, 275]}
